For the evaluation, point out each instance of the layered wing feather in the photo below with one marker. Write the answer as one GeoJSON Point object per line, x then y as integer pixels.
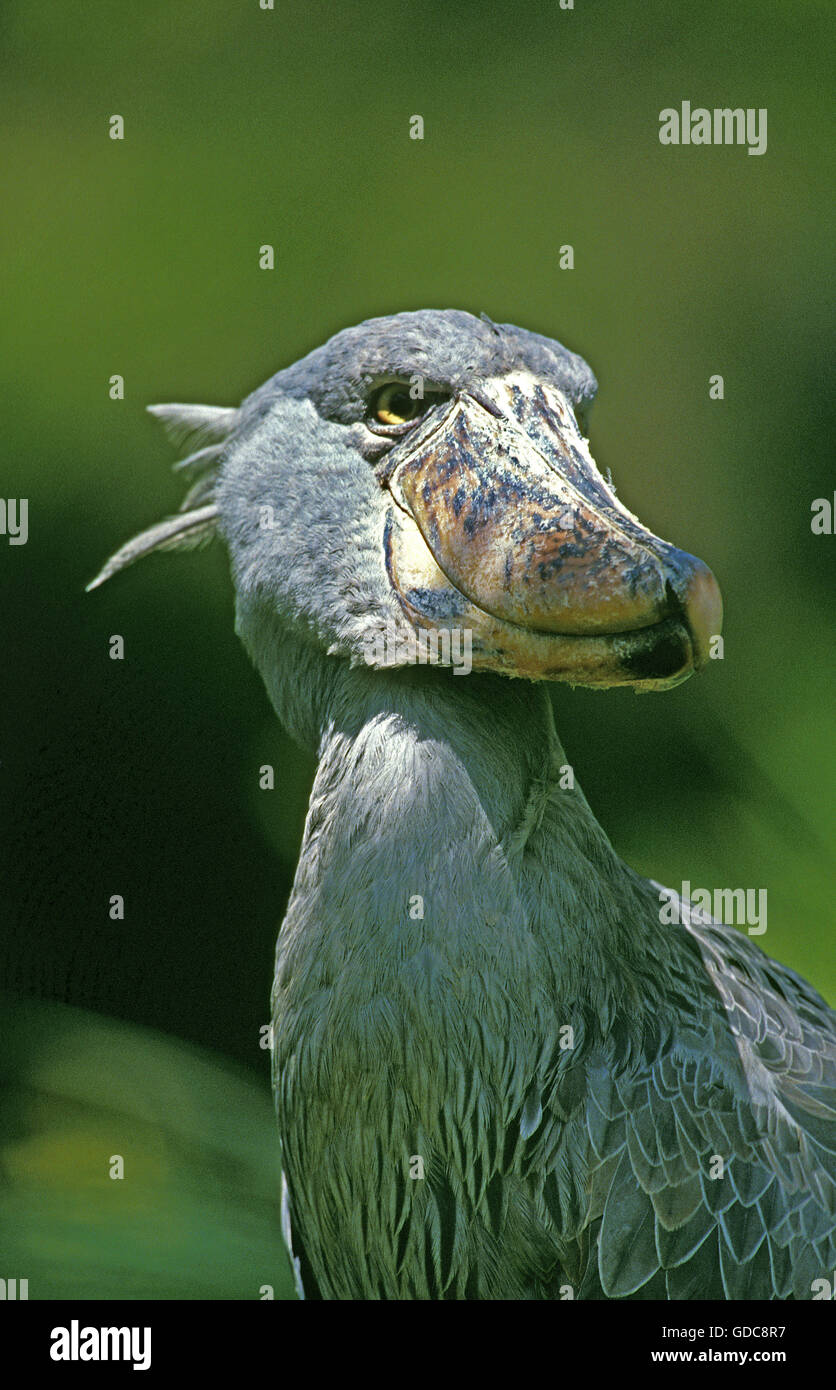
{"type": "Point", "coordinates": [714, 1167]}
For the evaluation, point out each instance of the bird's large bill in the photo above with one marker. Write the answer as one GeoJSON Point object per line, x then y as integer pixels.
{"type": "Point", "coordinates": [503, 525]}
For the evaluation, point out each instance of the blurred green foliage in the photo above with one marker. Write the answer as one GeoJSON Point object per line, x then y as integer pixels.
{"type": "Point", "coordinates": [140, 257]}
{"type": "Point", "coordinates": [193, 1211]}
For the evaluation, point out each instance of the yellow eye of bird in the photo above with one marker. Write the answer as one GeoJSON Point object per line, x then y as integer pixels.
{"type": "Point", "coordinates": [393, 405]}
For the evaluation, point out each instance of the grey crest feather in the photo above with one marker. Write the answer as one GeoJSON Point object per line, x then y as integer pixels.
{"type": "Point", "coordinates": [208, 424]}
{"type": "Point", "coordinates": [195, 522]}
{"type": "Point", "coordinates": [174, 533]}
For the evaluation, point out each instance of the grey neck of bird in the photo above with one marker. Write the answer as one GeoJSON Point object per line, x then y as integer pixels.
{"type": "Point", "coordinates": [442, 813]}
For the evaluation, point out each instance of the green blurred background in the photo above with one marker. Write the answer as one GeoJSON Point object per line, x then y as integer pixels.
{"type": "Point", "coordinates": [140, 257]}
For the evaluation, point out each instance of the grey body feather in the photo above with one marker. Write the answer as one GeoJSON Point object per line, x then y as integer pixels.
{"type": "Point", "coordinates": [455, 912]}
{"type": "Point", "coordinates": [546, 1169]}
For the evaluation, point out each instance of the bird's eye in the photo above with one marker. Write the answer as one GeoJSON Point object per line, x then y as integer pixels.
{"type": "Point", "coordinates": [393, 405]}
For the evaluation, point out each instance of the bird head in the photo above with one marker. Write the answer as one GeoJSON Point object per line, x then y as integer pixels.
{"type": "Point", "coordinates": [427, 475]}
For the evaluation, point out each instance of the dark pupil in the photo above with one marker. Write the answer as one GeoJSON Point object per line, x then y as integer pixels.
{"type": "Point", "coordinates": [400, 404]}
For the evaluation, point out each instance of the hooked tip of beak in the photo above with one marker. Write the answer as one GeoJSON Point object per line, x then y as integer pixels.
{"type": "Point", "coordinates": [696, 593]}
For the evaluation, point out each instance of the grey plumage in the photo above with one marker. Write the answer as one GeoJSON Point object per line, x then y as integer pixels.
{"type": "Point", "coordinates": [497, 1074]}
{"type": "Point", "coordinates": [195, 522]}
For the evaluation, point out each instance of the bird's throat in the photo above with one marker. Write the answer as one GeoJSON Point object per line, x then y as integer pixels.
{"type": "Point", "coordinates": [447, 853]}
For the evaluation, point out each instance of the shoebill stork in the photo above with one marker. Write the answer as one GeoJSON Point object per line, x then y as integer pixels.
{"type": "Point", "coordinates": [498, 1073]}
